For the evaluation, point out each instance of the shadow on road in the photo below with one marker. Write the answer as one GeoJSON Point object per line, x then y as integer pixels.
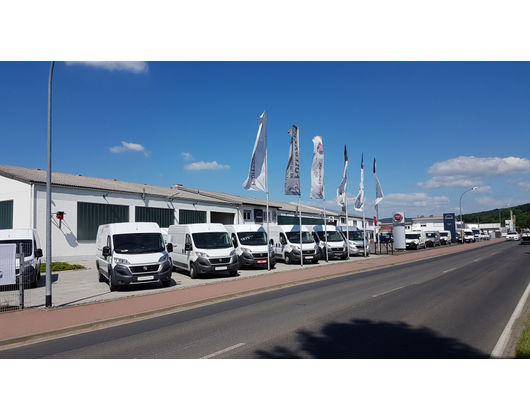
{"type": "Point", "coordinates": [365, 339]}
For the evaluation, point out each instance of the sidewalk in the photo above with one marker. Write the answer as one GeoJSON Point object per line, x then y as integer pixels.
{"type": "Point", "coordinates": [40, 323]}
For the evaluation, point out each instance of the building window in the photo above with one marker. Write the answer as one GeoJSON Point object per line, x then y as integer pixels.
{"type": "Point", "coordinates": [164, 217]}
{"type": "Point", "coordinates": [6, 214]}
{"type": "Point", "coordinates": [91, 215]}
{"type": "Point", "coordinates": [247, 215]}
{"type": "Point", "coordinates": [191, 216]}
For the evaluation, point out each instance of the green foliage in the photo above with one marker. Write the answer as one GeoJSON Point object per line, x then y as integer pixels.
{"type": "Point", "coordinates": [522, 216]}
{"type": "Point", "coordinates": [522, 351]}
{"type": "Point", "coordinates": [61, 266]}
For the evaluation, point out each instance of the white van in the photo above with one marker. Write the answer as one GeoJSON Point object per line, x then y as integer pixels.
{"type": "Point", "coordinates": [285, 240]}
{"type": "Point", "coordinates": [252, 246]}
{"type": "Point", "coordinates": [29, 238]}
{"type": "Point", "coordinates": [202, 248]}
{"type": "Point", "coordinates": [336, 244]}
{"type": "Point", "coordinates": [445, 237]}
{"type": "Point", "coordinates": [132, 252]}
{"type": "Point", "coordinates": [356, 238]}
{"type": "Point", "coordinates": [415, 240]}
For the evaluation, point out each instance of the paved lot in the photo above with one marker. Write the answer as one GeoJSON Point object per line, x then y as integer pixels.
{"type": "Point", "coordinates": [77, 287]}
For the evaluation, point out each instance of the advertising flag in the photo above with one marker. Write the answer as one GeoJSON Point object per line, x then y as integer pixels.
{"type": "Point", "coordinates": [257, 173]}
{"type": "Point", "coordinates": [292, 174]}
{"type": "Point", "coordinates": [359, 201]}
{"type": "Point", "coordinates": [317, 169]}
{"type": "Point", "coordinates": [341, 191]}
{"type": "Point", "coordinates": [378, 191]}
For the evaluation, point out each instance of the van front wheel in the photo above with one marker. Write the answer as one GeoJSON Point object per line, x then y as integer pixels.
{"type": "Point", "coordinates": [193, 271]}
{"type": "Point", "coordinates": [288, 259]}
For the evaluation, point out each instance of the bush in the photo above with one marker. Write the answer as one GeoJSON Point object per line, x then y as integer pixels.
{"type": "Point", "coordinates": [60, 266]}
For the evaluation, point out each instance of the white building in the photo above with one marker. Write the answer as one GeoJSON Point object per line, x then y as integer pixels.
{"type": "Point", "coordinates": [87, 202]}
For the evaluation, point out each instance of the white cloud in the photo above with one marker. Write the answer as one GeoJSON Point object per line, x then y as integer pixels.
{"type": "Point", "coordinates": [469, 171]}
{"type": "Point", "coordinates": [134, 147]}
{"type": "Point", "coordinates": [417, 200]}
{"type": "Point", "coordinates": [200, 166]}
{"type": "Point", "coordinates": [524, 185]}
{"type": "Point", "coordinates": [186, 156]}
{"type": "Point", "coordinates": [130, 66]}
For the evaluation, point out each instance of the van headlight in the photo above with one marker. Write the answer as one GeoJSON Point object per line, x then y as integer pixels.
{"type": "Point", "coordinates": [121, 261]}
{"type": "Point", "coordinates": [164, 258]}
{"type": "Point", "coordinates": [245, 250]}
{"type": "Point", "coordinates": [201, 254]}
{"type": "Point", "coordinates": [233, 252]}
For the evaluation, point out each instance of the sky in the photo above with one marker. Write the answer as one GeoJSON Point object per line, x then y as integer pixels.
{"type": "Point", "coordinates": [436, 129]}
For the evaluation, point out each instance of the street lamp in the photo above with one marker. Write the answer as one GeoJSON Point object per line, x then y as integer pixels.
{"type": "Point", "coordinates": [500, 214]}
{"type": "Point", "coordinates": [48, 297]}
{"type": "Point", "coordinates": [471, 189]}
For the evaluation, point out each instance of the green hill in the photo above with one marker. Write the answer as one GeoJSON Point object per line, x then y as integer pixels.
{"type": "Point", "coordinates": [521, 213]}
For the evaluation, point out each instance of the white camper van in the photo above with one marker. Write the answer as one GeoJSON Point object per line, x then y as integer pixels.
{"type": "Point", "coordinates": [202, 248]}
{"type": "Point", "coordinates": [29, 238]}
{"type": "Point", "coordinates": [285, 240]}
{"type": "Point", "coordinates": [252, 246]}
{"type": "Point", "coordinates": [356, 238]}
{"type": "Point", "coordinates": [132, 253]}
{"type": "Point", "coordinates": [336, 244]}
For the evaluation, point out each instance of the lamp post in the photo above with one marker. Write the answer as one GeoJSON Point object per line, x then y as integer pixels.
{"type": "Point", "coordinates": [471, 189]}
{"type": "Point", "coordinates": [500, 214]}
{"type": "Point", "coordinates": [49, 197]}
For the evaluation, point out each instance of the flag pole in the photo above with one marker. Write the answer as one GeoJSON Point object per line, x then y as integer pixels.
{"type": "Point", "coordinates": [300, 198]}
{"type": "Point", "coordinates": [267, 192]}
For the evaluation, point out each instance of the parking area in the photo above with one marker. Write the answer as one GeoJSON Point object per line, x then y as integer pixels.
{"type": "Point", "coordinates": [77, 287]}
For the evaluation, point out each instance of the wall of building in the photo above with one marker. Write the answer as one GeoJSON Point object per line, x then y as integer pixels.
{"type": "Point", "coordinates": [21, 194]}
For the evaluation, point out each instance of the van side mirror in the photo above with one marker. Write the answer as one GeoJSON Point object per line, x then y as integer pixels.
{"type": "Point", "coordinates": [187, 247]}
{"type": "Point", "coordinates": [106, 251]}
{"type": "Point", "coordinates": [38, 253]}
{"type": "Point", "coordinates": [169, 247]}
{"type": "Point", "coordinates": [271, 242]}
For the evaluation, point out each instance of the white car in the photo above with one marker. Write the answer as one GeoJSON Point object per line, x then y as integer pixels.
{"type": "Point", "coordinates": [512, 236]}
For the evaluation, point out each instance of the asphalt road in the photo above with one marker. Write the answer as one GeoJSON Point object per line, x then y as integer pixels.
{"type": "Point", "coordinates": [455, 306]}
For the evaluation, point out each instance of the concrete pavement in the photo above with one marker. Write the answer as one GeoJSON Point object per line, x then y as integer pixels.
{"type": "Point", "coordinates": [81, 303]}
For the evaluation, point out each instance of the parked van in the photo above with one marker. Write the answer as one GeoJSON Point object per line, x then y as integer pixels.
{"type": "Point", "coordinates": [336, 244]}
{"type": "Point", "coordinates": [432, 238]}
{"type": "Point", "coordinates": [445, 237]}
{"type": "Point", "coordinates": [29, 238]}
{"type": "Point", "coordinates": [285, 240]}
{"type": "Point", "coordinates": [469, 236]}
{"type": "Point", "coordinates": [132, 252]}
{"type": "Point", "coordinates": [356, 237]}
{"type": "Point", "coordinates": [202, 248]}
{"type": "Point", "coordinates": [415, 240]}
{"type": "Point", "coordinates": [252, 245]}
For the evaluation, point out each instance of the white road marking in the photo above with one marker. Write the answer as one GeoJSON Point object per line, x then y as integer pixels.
{"type": "Point", "coordinates": [217, 353]}
{"type": "Point", "coordinates": [390, 291]}
{"type": "Point", "coordinates": [478, 259]}
{"type": "Point", "coordinates": [505, 336]}
{"type": "Point", "coordinates": [451, 269]}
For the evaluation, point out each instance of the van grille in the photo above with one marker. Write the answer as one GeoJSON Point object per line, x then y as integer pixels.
{"type": "Point", "coordinates": [215, 261]}
{"type": "Point", "coordinates": [259, 255]}
{"type": "Point", "coordinates": [308, 252]}
{"type": "Point", "coordinates": [143, 269]}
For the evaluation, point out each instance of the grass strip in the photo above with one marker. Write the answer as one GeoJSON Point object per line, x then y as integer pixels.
{"type": "Point", "coordinates": [61, 266]}
{"type": "Point", "coordinates": [522, 351]}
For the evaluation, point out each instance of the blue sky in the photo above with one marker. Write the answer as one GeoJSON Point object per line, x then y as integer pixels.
{"type": "Point", "coordinates": [435, 128]}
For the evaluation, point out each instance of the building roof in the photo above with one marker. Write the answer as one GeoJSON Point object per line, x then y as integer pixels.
{"type": "Point", "coordinates": [177, 192]}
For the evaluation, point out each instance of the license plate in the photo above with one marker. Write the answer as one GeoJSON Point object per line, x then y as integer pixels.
{"type": "Point", "coordinates": [262, 261]}
{"type": "Point", "coordinates": [308, 258]}
{"type": "Point", "coordinates": [221, 268]}
{"type": "Point", "coordinates": [143, 278]}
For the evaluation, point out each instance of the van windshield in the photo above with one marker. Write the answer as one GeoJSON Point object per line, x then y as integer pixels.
{"type": "Point", "coordinates": [138, 243]}
{"type": "Point", "coordinates": [354, 235]}
{"type": "Point", "coordinates": [412, 236]}
{"type": "Point", "coordinates": [430, 235]}
{"type": "Point", "coordinates": [294, 237]}
{"type": "Point", "coordinates": [211, 240]}
{"type": "Point", "coordinates": [26, 245]}
{"type": "Point", "coordinates": [333, 236]}
{"type": "Point", "coordinates": [252, 238]}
